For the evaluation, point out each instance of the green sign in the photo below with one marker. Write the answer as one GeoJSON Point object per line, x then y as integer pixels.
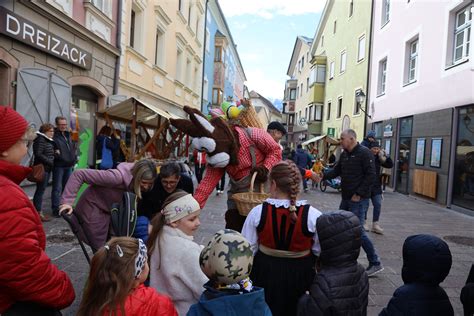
{"type": "Point", "coordinates": [331, 131]}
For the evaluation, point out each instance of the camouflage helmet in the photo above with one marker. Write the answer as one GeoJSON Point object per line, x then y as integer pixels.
{"type": "Point", "coordinates": [227, 258]}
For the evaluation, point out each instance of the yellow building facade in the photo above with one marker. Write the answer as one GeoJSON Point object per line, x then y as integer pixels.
{"type": "Point", "coordinates": [162, 48]}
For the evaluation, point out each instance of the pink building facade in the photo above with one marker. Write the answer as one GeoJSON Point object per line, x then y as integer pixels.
{"type": "Point", "coordinates": [421, 96]}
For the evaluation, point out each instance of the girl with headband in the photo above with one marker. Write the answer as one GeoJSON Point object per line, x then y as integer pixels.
{"type": "Point", "coordinates": [282, 234]}
{"type": "Point", "coordinates": [115, 285]}
{"type": "Point", "coordinates": [174, 256]}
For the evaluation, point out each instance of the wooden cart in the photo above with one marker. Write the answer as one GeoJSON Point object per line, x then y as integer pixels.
{"type": "Point", "coordinates": [324, 144]}
{"type": "Point", "coordinates": [150, 129]}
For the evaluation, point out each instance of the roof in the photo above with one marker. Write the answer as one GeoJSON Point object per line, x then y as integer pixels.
{"type": "Point", "coordinates": [318, 138]}
{"type": "Point", "coordinates": [270, 106]}
{"type": "Point", "coordinates": [147, 114]}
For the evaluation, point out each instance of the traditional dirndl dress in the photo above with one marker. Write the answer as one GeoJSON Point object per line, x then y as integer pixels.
{"type": "Point", "coordinates": [284, 264]}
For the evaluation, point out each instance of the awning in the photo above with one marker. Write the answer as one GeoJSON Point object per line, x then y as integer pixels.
{"type": "Point", "coordinates": [313, 140]}
{"type": "Point", "coordinates": [147, 114]}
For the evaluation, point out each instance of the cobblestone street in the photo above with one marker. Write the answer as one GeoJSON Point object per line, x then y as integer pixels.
{"type": "Point", "coordinates": [401, 216]}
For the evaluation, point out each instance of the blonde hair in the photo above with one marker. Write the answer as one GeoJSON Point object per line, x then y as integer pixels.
{"type": "Point", "coordinates": [144, 169]}
{"type": "Point", "coordinates": [111, 278]}
{"type": "Point", "coordinates": [287, 178]}
{"type": "Point", "coordinates": [30, 133]}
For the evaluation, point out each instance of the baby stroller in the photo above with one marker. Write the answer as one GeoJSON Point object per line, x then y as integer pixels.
{"type": "Point", "coordinates": [333, 183]}
{"type": "Point", "coordinates": [123, 219]}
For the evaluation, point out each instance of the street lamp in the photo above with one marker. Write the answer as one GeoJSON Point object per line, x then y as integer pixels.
{"type": "Point", "coordinates": [360, 98]}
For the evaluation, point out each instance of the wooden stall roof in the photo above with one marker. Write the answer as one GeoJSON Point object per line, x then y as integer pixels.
{"type": "Point", "coordinates": [317, 138]}
{"type": "Point", "coordinates": [147, 113]}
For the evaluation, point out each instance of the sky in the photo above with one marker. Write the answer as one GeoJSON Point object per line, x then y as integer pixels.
{"type": "Point", "coordinates": [265, 32]}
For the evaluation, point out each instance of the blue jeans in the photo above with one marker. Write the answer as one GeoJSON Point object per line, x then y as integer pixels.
{"type": "Point", "coordinates": [39, 192]}
{"type": "Point", "coordinates": [377, 203]}
{"type": "Point", "coordinates": [360, 209]}
{"type": "Point", "coordinates": [60, 177]}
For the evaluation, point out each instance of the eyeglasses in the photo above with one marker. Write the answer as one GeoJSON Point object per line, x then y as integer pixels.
{"type": "Point", "coordinates": [169, 183]}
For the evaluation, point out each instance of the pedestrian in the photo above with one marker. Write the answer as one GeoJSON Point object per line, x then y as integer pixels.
{"type": "Point", "coordinates": [174, 256]}
{"type": "Point", "coordinates": [369, 138]}
{"type": "Point", "coordinates": [276, 131]}
{"type": "Point", "coordinates": [385, 174]}
{"type": "Point", "coordinates": [115, 283]}
{"type": "Point", "coordinates": [381, 160]}
{"type": "Point", "coordinates": [221, 185]}
{"type": "Point", "coordinates": [105, 187]}
{"type": "Point", "coordinates": [43, 153]}
{"type": "Point", "coordinates": [302, 160]}
{"type": "Point", "coordinates": [467, 294]}
{"type": "Point", "coordinates": [282, 233]}
{"type": "Point", "coordinates": [29, 283]}
{"type": "Point", "coordinates": [199, 164]}
{"type": "Point", "coordinates": [105, 148]}
{"type": "Point", "coordinates": [357, 171]}
{"type": "Point", "coordinates": [426, 263]}
{"type": "Point", "coordinates": [318, 168]}
{"type": "Point", "coordinates": [341, 286]}
{"type": "Point", "coordinates": [227, 261]}
{"type": "Point", "coordinates": [64, 160]}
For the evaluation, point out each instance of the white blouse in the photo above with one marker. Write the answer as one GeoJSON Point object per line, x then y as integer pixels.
{"type": "Point", "coordinates": [249, 231]}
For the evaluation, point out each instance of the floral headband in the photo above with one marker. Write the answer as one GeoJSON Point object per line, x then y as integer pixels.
{"type": "Point", "coordinates": [140, 259]}
{"type": "Point", "coordinates": [180, 208]}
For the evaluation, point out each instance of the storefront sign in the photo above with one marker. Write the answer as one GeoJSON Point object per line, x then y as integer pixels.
{"type": "Point", "coordinates": [331, 131]}
{"type": "Point", "coordinates": [388, 130]}
{"type": "Point", "coordinates": [31, 34]}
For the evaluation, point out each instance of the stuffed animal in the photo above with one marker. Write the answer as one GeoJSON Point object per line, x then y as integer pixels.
{"type": "Point", "coordinates": [233, 149]}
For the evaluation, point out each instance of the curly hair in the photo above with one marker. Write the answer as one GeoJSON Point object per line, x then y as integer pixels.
{"type": "Point", "coordinates": [287, 178]}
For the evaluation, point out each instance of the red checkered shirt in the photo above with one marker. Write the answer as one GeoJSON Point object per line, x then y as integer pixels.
{"type": "Point", "coordinates": [267, 154]}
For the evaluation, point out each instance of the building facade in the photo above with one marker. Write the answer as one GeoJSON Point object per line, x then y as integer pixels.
{"type": "Point", "coordinates": [297, 96]}
{"type": "Point", "coordinates": [224, 76]}
{"type": "Point", "coordinates": [265, 109]}
{"type": "Point", "coordinates": [162, 52]}
{"type": "Point", "coordinates": [339, 55]}
{"type": "Point", "coordinates": [422, 97]}
{"type": "Point", "coordinates": [58, 58]}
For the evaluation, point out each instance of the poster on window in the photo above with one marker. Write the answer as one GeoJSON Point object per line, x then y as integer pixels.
{"type": "Point", "coordinates": [388, 144]}
{"type": "Point", "coordinates": [436, 145]}
{"type": "Point", "coordinates": [420, 152]}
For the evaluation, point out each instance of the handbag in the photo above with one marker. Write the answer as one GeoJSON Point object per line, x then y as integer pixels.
{"type": "Point", "coordinates": [37, 172]}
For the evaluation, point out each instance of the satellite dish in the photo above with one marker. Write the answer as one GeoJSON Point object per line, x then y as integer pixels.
{"type": "Point", "coordinates": [302, 121]}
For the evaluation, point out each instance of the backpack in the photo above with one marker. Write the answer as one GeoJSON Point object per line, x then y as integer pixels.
{"type": "Point", "coordinates": [124, 215]}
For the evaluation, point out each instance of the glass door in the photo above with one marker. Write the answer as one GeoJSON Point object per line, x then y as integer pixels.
{"type": "Point", "coordinates": [404, 148]}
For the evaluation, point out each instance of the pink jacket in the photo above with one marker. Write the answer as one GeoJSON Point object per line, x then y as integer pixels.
{"type": "Point", "coordinates": [105, 188]}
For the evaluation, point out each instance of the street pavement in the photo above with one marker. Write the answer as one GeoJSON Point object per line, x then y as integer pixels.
{"type": "Point", "coordinates": [401, 217]}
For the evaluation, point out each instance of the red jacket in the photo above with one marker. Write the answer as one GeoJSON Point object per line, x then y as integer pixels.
{"type": "Point", "coordinates": [26, 272]}
{"type": "Point", "coordinates": [146, 301]}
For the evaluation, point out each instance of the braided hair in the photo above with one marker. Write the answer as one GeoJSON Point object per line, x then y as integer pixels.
{"type": "Point", "coordinates": [287, 177]}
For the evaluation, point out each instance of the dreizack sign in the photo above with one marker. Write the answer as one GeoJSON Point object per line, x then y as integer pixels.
{"type": "Point", "coordinates": [31, 34]}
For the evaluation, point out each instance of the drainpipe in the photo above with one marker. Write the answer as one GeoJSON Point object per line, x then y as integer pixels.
{"type": "Point", "coordinates": [118, 44]}
{"type": "Point", "coordinates": [367, 99]}
{"type": "Point", "coordinates": [204, 56]}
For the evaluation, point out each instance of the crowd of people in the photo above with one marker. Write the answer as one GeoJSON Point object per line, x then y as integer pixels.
{"type": "Point", "coordinates": [288, 258]}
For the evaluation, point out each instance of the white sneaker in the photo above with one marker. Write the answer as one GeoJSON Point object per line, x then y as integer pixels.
{"type": "Point", "coordinates": [376, 228]}
{"type": "Point", "coordinates": [366, 227]}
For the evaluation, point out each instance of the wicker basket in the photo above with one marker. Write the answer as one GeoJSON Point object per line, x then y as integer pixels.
{"type": "Point", "coordinates": [248, 117]}
{"type": "Point", "coordinates": [246, 201]}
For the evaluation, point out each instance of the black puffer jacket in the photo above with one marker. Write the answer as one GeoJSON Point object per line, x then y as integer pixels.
{"type": "Point", "coordinates": [342, 286]}
{"type": "Point", "coordinates": [67, 150]}
{"type": "Point", "coordinates": [426, 263]}
{"type": "Point", "coordinates": [43, 151]}
{"type": "Point", "coordinates": [357, 172]}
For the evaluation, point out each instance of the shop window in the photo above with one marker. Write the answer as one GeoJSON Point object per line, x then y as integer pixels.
{"type": "Point", "coordinates": [378, 128]}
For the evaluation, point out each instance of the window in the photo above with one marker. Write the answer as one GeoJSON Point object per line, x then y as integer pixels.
{"type": "Point", "coordinates": [292, 119]}
{"type": "Point", "coordinates": [462, 34]}
{"type": "Point", "coordinates": [339, 108]}
{"type": "Point", "coordinates": [132, 29]}
{"type": "Point", "coordinates": [190, 12]}
{"type": "Point", "coordinates": [104, 5]}
{"type": "Point", "coordinates": [159, 48]}
{"type": "Point", "coordinates": [361, 48]}
{"type": "Point", "coordinates": [302, 62]}
{"type": "Point", "coordinates": [357, 106]}
{"type": "Point", "coordinates": [306, 113]}
{"type": "Point", "coordinates": [179, 65]}
{"type": "Point", "coordinates": [196, 79]}
{"type": "Point", "coordinates": [385, 12]}
{"type": "Point", "coordinates": [218, 53]}
{"type": "Point", "coordinates": [180, 5]}
{"type": "Point", "coordinates": [310, 112]}
{"type": "Point", "coordinates": [382, 77]}
{"type": "Point", "coordinates": [412, 61]}
{"type": "Point", "coordinates": [216, 96]}
{"type": "Point", "coordinates": [328, 114]}
{"type": "Point", "coordinates": [320, 73]}
{"type": "Point", "coordinates": [331, 70]}
{"type": "Point", "coordinates": [343, 62]}
{"type": "Point", "coordinates": [299, 65]}
{"type": "Point", "coordinates": [189, 77]}
{"type": "Point", "coordinates": [351, 8]}
{"type": "Point", "coordinates": [297, 92]}
{"type": "Point", "coordinates": [292, 94]}
{"type": "Point", "coordinates": [208, 39]}
{"type": "Point", "coordinates": [335, 25]}
{"type": "Point", "coordinates": [318, 113]}
{"type": "Point", "coordinates": [307, 84]}
{"type": "Point", "coordinates": [205, 89]}
{"type": "Point", "coordinates": [322, 41]}
{"type": "Point", "coordinates": [301, 90]}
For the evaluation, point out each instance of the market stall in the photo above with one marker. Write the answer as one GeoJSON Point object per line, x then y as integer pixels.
{"type": "Point", "coordinates": [325, 145]}
{"type": "Point", "coordinates": [151, 132]}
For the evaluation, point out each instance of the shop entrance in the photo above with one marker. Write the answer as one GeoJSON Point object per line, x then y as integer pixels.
{"type": "Point", "coordinates": [404, 148]}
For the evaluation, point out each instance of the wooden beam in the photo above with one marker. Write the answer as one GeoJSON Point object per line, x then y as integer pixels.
{"type": "Point", "coordinates": [155, 136]}
{"type": "Point", "coordinates": [133, 145]}
{"type": "Point", "coordinates": [122, 120]}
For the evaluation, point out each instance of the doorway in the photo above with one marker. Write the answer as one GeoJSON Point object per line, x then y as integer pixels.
{"type": "Point", "coordinates": [404, 154]}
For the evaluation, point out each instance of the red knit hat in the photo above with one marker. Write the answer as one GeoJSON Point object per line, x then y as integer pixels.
{"type": "Point", "coordinates": [12, 127]}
